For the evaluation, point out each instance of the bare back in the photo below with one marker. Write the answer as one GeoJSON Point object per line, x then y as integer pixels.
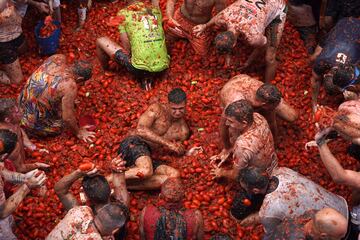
{"type": "Point", "coordinates": [198, 11]}
{"type": "Point", "coordinates": [241, 87]}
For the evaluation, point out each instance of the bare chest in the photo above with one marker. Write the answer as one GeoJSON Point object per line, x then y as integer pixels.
{"type": "Point", "coordinates": [199, 6]}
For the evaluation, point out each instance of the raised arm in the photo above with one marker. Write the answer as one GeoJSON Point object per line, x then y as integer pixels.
{"type": "Point", "coordinates": [286, 112]}
{"type": "Point", "coordinates": [120, 190]}
{"type": "Point", "coordinates": [63, 186]}
{"type": "Point", "coordinates": [315, 85]}
{"type": "Point", "coordinates": [337, 172]}
{"type": "Point", "coordinates": [143, 169]}
{"type": "Point", "coordinates": [170, 8]}
{"type": "Point", "coordinates": [12, 203]}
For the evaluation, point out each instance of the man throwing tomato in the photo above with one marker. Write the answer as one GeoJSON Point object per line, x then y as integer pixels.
{"type": "Point", "coordinates": [142, 50]}
{"type": "Point", "coordinates": [190, 14]}
{"type": "Point", "coordinates": [248, 20]}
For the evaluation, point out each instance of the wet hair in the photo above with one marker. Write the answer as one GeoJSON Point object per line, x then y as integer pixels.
{"type": "Point", "coordinates": [112, 216]}
{"type": "Point", "coordinates": [225, 41]}
{"type": "Point", "coordinates": [8, 140]}
{"type": "Point", "coordinates": [83, 69]}
{"type": "Point", "coordinates": [221, 236]}
{"type": "Point", "coordinates": [241, 110]}
{"type": "Point", "coordinates": [173, 190]}
{"type": "Point", "coordinates": [6, 107]}
{"type": "Point", "coordinates": [343, 74]}
{"type": "Point", "coordinates": [269, 93]}
{"type": "Point", "coordinates": [253, 177]}
{"type": "Point", "coordinates": [97, 189]}
{"type": "Point", "coordinates": [177, 96]}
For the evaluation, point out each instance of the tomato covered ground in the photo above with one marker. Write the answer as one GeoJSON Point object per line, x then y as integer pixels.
{"type": "Point", "coordinates": [115, 100]}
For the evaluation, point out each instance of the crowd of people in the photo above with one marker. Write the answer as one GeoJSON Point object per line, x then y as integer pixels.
{"type": "Point", "coordinates": [286, 203]}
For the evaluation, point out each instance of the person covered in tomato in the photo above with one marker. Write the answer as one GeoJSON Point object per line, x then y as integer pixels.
{"type": "Point", "coordinates": [288, 195]}
{"type": "Point", "coordinates": [250, 21]}
{"type": "Point", "coordinates": [10, 116]}
{"type": "Point", "coordinates": [247, 138]}
{"type": "Point", "coordinates": [191, 13]}
{"type": "Point", "coordinates": [265, 99]}
{"type": "Point", "coordinates": [342, 46]}
{"type": "Point", "coordinates": [326, 223]}
{"type": "Point", "coordinates": [12, 43]}
{"type": "Point", "coordinates": [171, 220]}
{"type": "Point", "coordinates": [142, 50]}
{"type": "Point", "coordinates": [105, 216]}
{"type": "Point", "coordinates": [27, 182]}
{"type": "Point", "coordinates": [160, 126]}
{"type": "Point", "coordinates": [48, 98]}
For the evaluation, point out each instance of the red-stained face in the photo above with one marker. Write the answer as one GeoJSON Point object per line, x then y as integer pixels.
{"type": "Point", "coordinates": [232, 123]}
{"type": "Point", "coordinates": [177, 111]}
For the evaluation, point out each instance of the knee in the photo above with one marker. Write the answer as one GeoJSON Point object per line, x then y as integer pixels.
{"type": "Point", "coordinates": [100, 41]}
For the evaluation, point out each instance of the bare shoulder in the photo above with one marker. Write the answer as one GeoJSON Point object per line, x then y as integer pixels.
{"type": "Point", "coordinates": [68, 87]}
{"type": "Point", "coordinates": [154, 110]}
{"type": "Point", "coordinates": [58, 58]}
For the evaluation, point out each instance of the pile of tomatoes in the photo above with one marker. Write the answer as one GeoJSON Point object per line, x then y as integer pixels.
{"type": "Point", "coordinates": [115, 101]}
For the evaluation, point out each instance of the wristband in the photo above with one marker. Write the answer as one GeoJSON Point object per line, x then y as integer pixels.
{"type": "Point", "coordinates": [320, 142]}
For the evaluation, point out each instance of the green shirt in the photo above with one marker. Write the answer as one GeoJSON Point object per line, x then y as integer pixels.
{"type": "Point", "coordinates": [143, 25]}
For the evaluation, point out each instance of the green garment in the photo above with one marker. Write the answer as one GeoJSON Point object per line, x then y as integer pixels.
{"type": "Point", "coordinates": [143, 25]}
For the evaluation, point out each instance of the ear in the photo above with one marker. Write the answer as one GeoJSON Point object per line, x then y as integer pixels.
{"type": "Point", "coordinates": [256, 190]}
{"type": "Point", "coordinates": [245, 122]}
{"type": "Point", "coordinates": [323, 235]}
{"type": "Point", "coordinates": [7, 120]}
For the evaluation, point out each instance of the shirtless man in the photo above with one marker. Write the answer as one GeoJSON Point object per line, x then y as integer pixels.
{"type": "Point", "coordinates": [160, 126]}
{"type": "Point", "coordinates": [341, 47]}
{"type": "Point", "coordinates": [104, 216]}
{"type": "Point", "coordinates": [324, 224]}
{"type": "Point", "coordinates": [47, 99]}
{"type": "Point", "coordinates": [10, 117]}
{"type": "Point", "coordinates": [288, 194]}
{"type": "Point", "coordinates": [249, 20]}
{"type": "Point", "coordinates": [346, 79]}
{"type": "Point", "coordinates": [31, 180]}
{"type": "Point", "coordinates": [172, 220]}
{"type": "Point", "coordinates": [190, 14]}
{"type": "Point", "coordinates": [264, 98]}
{"type": "Point", "coordinates": [248, 138]}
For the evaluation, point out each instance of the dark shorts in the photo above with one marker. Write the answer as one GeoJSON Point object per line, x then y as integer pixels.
{"type": "Point", "coordinates": [9, 50]}
{"type": "Point", "coordinates": [133, 147]}
{"type": "Point", "coordinates": [122, 58]}
{"type": "Point", "coordinates": [239, 210]}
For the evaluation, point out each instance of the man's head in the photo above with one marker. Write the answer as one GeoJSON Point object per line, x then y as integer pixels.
{"type": "Point", "coordinates": [239, 115]}
{"type": "Point", "coordinates": [177, 103]}
{"type": "Point", "coordinates": [8, 140]}
{"type": "Point", "coordinates": [172, 190]}
{"type": "Point", "coordinates": [110, 218]}
{"type": "Point", "coordinates": [344, 76]}
{"type": "Point", "coordinates": [253, 180]}
{"type": "Point", "coordinates": [82, 70]}
{"type": "Point", "coordinates": [327, 224]}
{"type": "Point", "coordinates": [269, 95]}
{"type": "Point", "coordinates": [225, 41]}
{"type": "Point", "coordinates": [9, 112]}
{"type": "Point", "coordinates": [97, 189]}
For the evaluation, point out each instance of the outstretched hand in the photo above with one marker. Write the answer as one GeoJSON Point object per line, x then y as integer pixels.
{"type": "Point", "coordinates": [118, 165]}
{"type": "Point", "coordinates": [223, 156]}
{"type": "Point", "coordinates": [85, 135]}
{"type": "Point", "coordinates": [199, 29]}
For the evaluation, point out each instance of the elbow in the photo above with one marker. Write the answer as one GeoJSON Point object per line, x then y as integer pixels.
{"type": "Point", "coordinates": [338, 179]}
{"type": "Point", "coordinates": [59, 190]}
{"type": "Point", "coordinates": [293, 117]}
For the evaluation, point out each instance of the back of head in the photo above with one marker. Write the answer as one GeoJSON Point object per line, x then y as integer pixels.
{"type": "Point", "coordinates": [225, 41]}
{"type": "Point", "coordinates": [240, 110]}
{"type": "Point", "coordinates": [83, 69]}
{"type": "Point", "coordinates": [6, 107]}
{"type": "Point", "coordinates": [97, 189]}
{"type": "Point", "coordinates": [269, 94]}
{"type": "Point", "coordinates": [331, 223]}
{"type": "Point", "coordinates": [172, 189]}
{"type": "Point", "coordinates": [253, 177]}
{"type": "Point", "coordinates": [221, 236]}
{"type": "Point", "coordinates": [342, 75]}
{"type": "Point", "coordinates": [110, 217]}
{"type": "Point", "coordinates": [8, 140]}
{"type": "Point", "coordinates": [177, 96]}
